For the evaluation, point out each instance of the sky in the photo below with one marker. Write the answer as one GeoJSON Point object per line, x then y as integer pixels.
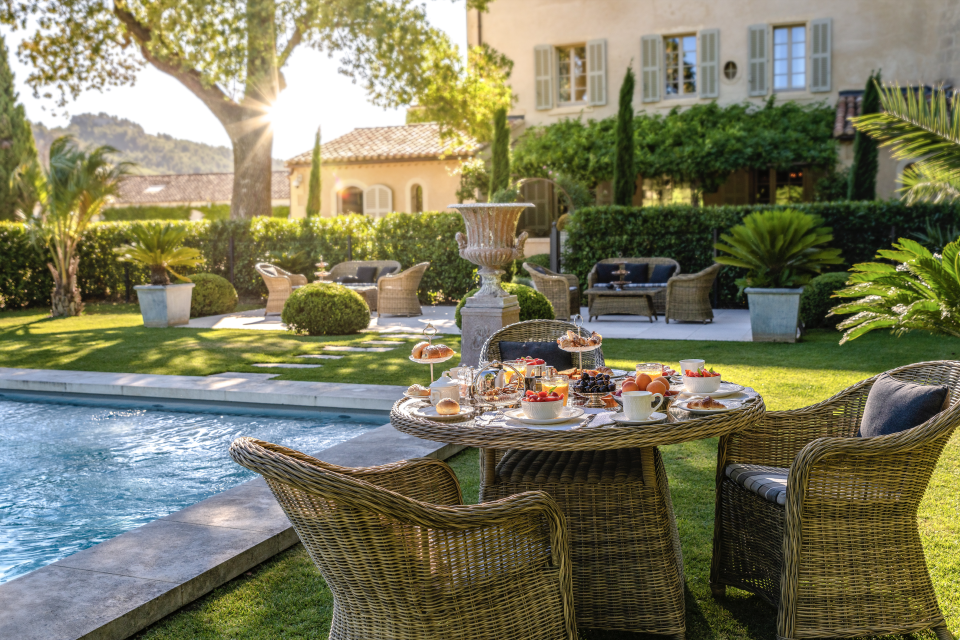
{"type": "Point", "coordinates": [316, 95]}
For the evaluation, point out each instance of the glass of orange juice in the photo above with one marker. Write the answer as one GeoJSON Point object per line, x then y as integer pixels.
{"type": "Point", "coordinates": [508, 373]}
{"type": "Point", "coordinates": [560, 384]}
{"type": "Point", "coordinates": [652, 369]}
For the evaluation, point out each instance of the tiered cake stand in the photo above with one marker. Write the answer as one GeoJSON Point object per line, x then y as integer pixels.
{"type": "Point", "coordinates": [429, 331]}
{"type": "Point", "coordinates": [594, 399]}
{"type": "Point", "coordinates": [322, 272]}
{"type": "Point", "coordinates": [622, 271]}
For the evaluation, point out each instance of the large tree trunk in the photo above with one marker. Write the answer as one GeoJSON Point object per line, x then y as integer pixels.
{"type": "Point", "coordinates": [252, 173]}
{"type": "Point", "coordinates": [65, 298]}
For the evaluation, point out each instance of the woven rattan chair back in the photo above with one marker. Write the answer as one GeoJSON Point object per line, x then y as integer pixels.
{"type": "Point", "coordinates": [537, 331]}
{"type": "Point", "coordinates": [279, 283]}
{"type": "Point", "coordinates": [398, 292]}
{"type": "Point", "coordinates": [688, 296]}
{"type": "Point", "coordinates": [349, 268]}
{"type": "Point", "coordinates": [561, 289]}
{"type": "Point", "coordinates": [405, 561]}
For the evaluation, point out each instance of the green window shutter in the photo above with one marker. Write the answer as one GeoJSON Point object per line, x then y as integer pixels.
{"type": "Point", "coordinates": [597, 72]}
{"type": "Point", "coordinates": [710, 63]}
{"type": "Point", "coordinates": [650, 50]}
{"type": "Point", "coordinates": [821, 50]}
{"type": "Point", "coordinates": [758, 67]}
{"type": "Point", "coordinates": [543, 72]}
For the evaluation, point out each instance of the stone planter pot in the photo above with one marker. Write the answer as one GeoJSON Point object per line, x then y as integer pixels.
{"type": "Point", "coordinates": [774, 314]}
{"type": "Point", "coordinates": [165, 306]}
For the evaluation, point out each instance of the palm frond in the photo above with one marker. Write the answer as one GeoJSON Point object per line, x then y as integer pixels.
{"type": "Point", "coordinates": [924, 183]}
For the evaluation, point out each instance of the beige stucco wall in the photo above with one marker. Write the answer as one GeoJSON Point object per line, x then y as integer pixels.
{"type": "Point", "coordinates": [439, 186]}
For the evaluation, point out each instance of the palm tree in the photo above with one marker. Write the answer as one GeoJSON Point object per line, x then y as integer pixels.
{"type": "Point", "coordinates": [157, 246]}
{"type": "Point", "coordinates": [921, 130]}
{"type": "Point", "coordinates": [58, 203]}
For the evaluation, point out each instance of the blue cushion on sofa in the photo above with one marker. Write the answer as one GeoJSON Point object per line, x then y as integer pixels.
{"type": "Point", "coordinates": [366, 273]}
{"type": "Point", "coordinates": [662, 273]}
{"type": "Point", "coordinates": [605, 272]}
{"type": "Point", "coordinates": [636, 272]}
{"type": "Point", "coordinates": [347, 280]}
{"type": "Point", "coordinates": [894, 406]}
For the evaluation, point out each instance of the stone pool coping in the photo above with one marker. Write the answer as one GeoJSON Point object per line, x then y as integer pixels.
{"type": "Point", "coordinates": [116, 588]}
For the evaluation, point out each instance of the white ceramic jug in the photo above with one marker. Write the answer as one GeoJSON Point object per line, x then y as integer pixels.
{"type": "Point", "coordinates": [639, 405]}
{"type": "Point", "coordinates": [444, 387]}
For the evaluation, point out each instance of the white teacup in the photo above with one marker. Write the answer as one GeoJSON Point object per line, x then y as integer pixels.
{"type": "Point", "coordinates": [639, 405]}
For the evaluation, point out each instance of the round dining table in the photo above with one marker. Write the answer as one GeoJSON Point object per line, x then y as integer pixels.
{"type": "Point", "coordinates": [611, 484]}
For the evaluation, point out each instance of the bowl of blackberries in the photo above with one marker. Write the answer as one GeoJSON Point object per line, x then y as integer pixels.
{"type": "Point", "coordinates": [599, 383]}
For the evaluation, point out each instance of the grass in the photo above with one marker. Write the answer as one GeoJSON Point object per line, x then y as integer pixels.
{"type": "Point", "coordinates": [285, 596]}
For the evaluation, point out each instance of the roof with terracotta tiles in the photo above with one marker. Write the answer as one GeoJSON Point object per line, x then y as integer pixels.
{"type": "Point", "coordinates": [194, 187]}
{"type": "Point", "coordinates": [403, 142]}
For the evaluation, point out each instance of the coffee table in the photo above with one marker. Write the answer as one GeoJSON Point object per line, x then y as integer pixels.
{"type": "Point", "coordinates": [637, 302]}
{"type": "Point", "coordinates": [368, 291]}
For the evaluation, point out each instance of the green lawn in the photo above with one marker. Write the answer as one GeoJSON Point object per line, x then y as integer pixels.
{"type": "Point", "coordinates": [286, 598]}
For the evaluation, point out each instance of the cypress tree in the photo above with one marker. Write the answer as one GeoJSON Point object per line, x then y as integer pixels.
{"type": "Point", "coordinates": [624, 163]}
{"type": "Point", "coordinates": [500, 169]}
{"type": "Point", "coordinates": [863, 173]}
{"type": "Point", "coordinates": [16, 138]}
{"type": "Point", "coordinates": [313, 187]}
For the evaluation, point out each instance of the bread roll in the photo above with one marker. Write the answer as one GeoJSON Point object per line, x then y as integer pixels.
{"type": "Point", "coordinates": [448, 407]}
{"type": "Point", "coordinates": [418, 349]}
{"type": "Point", "coordinates": [436, 351]}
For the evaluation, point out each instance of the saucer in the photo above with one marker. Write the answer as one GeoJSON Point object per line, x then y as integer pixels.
{"type": "Point", "coordinates": [728, 405]}
{"type": "Point", "coordinates": [430, 413]}
{"type": "Point", "coordinates": [621, 418]}
{"type": "Point", "coordinates": [566, 414]}
{"type": "Point", "coordinates": [726, 389]}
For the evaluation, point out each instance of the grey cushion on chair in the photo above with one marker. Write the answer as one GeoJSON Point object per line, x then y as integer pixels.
{"type": "Point", "coordinates": [770, 483]}
{"type": "Point", "coordinates": [662, 273]}
{"type": "Point", "coordinates": [366, 274]}
{"type": "Point", "coordinates": [894, 406]}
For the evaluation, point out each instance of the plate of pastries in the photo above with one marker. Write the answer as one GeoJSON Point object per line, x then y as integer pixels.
{"type": "Point", "coordinates": [425, 353]}
{"type": "Point", "coordinates": [708, 405]}
{"type": "Point", "coordinates": [572, 341]}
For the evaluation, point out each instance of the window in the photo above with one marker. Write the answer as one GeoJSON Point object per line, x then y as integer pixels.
{"type": "Point", "coordinates": [572, 74]}
{"type": "Point", "coordinates": [680, 65]}
{"type": "Point", "coordinates": [378, 201]}
{"type": "Point", "coordinates": [789, 58]}
{"type": "Point", "coordinates": [416, 199]}
{"type": "Point", "coordinates": [350, 200]}
{"type": "Point", "coordinates": [779, 187]}
{"type": "Point", "coordinates": [730, 70]}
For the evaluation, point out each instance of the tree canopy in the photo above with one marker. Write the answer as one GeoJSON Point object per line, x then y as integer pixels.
{"type": "Point", "coordinates": [16, 140]}
{"type": "Point", "coordinates": [700, 146]}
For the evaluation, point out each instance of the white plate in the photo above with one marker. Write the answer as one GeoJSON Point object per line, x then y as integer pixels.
{"type": "Point", "coordinates": [726, 389]}
{"type": "Point", "coordinates": [728, 405]}
{"type": "Point", "coordinates": [432, 360]}
{"type": "Point", "coordinates": [430, 413]}
{"type": "Point", "coordinates": [621, 418]}
{"type": "Point", "coordinates": [425, 398]}
{"type": "Point", "coordinates": [566, 414]}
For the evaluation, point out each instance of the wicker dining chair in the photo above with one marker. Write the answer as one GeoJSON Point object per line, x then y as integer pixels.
{"type": "Point", "coordinates": [561, 289]}
{"type": "Point", "coordinates": [659, 299]}
{"type": "Point", "coordinates": [406, 560]}
{"type": "Point", "coordinates": [841, 556]}
{"type": "Point", "coordinates": [280, 285]}
{"type": "Point", "coordinates": [397, 293]}
{"type": "Point", "coordinates": [536, 331]}
{"type": "Point", "coordinates": [688, 296]}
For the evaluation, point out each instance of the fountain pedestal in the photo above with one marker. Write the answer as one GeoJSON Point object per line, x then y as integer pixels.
{"type": "Point", "coordinates": [490, 243]}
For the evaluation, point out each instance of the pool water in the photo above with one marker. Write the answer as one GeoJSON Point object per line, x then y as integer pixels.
{"type": "Point", "coordinates": [74, 476]}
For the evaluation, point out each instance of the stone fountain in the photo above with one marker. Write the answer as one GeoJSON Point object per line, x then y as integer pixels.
{"type": "Point", "coordinates": [490, 243]}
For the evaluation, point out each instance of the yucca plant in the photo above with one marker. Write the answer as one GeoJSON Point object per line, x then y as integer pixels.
{"type": "Point", "coordinates": [58, 203]}
{"type": "Point", "coordinates": [780, 249]}
{"type": "Point", "coordinates": [157, 246]}
{"type": "Point", "coordinates": [924, 130]}
{"type": "Point", "coordinates": [921, 290]}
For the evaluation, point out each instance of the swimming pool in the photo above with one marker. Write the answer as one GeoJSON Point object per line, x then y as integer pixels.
{"type": "Point", "coordinates": [73, 476]}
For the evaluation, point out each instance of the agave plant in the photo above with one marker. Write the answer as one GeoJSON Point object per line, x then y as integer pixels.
{"type": "Point", "coordinates": [937, 236]}
{"type": "Point", "coordinates": [780, 249]}
{"type": "Point", "coordinates": [157, 246]}
{"type": "Point", "coordinates": [927, 131]}
{"type": "Point", "coordinates": [58, 203]}
{"type": "Point", "coordinates": [921, 291]}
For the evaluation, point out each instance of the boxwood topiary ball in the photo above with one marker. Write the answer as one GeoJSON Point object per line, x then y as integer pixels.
{"type": "Point", "coordinates": [325, 309]}
{"type": "Point", "coordinates": [212, 295]}
{"type": "Point", "coordinates": [533, 304]}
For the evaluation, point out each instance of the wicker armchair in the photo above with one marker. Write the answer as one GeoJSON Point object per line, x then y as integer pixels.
{"type": "Point", "coordinates": [350, 268]}
{"type": "Point", "coordinates": [280, 285]}
{"type": "Point", "coordinates": [688, 296]}
{"type": "Point", "coordinates": [841, 556]}
{"type": "Point", "coordinates": [561, 289]}
{"type": "Point", "coordinates": [659, 299]}
{"type": "Point", "coordinates": [536, 331]}
{"type": "Point", "coordinates": [405, 560]}
{"type": "Point", "coordinates": [397, 293]}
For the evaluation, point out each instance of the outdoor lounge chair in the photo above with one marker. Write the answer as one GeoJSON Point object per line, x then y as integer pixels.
{"type": "Point", "coordinates": [350, 268]}
{"type": "Point", "coordinates": [397, 293]}
{"type": "Point", "coordinates": [688, 296]}
{"type": "Point", "coordinates": [659, 299]}
{"type": "Point", "coordinates": [406, 560]}
{"type": "Point", "coordinates": [280, 285]}
{"type": "Point", "coordinates": [561, 289]}
{"type": "Point", "coordinates": [828, 530]}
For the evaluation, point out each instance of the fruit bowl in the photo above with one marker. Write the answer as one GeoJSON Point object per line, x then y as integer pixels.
{"type": "Point", "coordinates": [541, 408]}
{"type": "Point", "coordinates": [701, 385]}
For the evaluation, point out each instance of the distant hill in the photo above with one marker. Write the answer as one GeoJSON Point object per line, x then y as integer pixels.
{"type": "Point", "coordinates": [154, 154]}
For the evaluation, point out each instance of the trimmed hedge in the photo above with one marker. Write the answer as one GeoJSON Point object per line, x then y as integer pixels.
{"type": "Point", "coordinates": [685, 233]}
{"type": "Point", "coordinates": [533, 304]}
{"type": "Point", "coordinates": [815, 301]}
{"type": "Point", "coordinates": [211, 296]}
{"type": "Point", "coordinates": [151, 212]}
{"type": "Point", "coordinates": [325, 309]}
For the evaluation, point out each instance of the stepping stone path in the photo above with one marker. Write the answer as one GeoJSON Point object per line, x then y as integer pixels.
{"type": "Point", "coordinates": [287, 365]}
{"type": "Point", "coordinates": [405, 336]}
{"type": "Point", "coordinates": [341, 348]}
{"type": "Point", "coordinates": [245, 376]}
{"type": "Point", "coordinates": [322, 357]}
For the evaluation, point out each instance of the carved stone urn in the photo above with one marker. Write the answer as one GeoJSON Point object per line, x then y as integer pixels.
{"type": "Point", "coordinates": [490, 243]}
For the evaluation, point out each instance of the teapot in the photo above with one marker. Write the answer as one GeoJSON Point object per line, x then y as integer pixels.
{"type": "Point", "coordinates": [444, 387]}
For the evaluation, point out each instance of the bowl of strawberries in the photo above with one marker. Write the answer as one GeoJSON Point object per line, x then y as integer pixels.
{"type": "Point", "coordinates": [540, 405]}
{"type": "Point", "coordinates": [701, 381]}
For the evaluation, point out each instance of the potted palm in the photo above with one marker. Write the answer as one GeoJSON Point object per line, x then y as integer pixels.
{"type": "Point", "coordinates": [157, 246]}
{"type": "Point", "coordinates": [781, 251]}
